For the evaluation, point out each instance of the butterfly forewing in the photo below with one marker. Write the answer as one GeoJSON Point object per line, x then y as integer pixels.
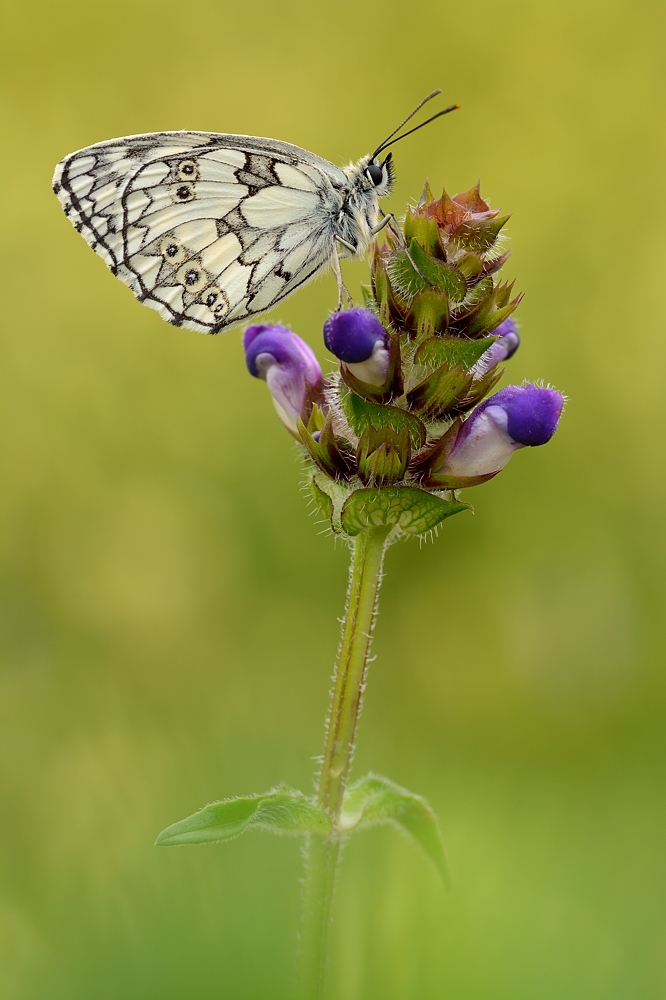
{"type": "Point", "coordinates": [207, 229]}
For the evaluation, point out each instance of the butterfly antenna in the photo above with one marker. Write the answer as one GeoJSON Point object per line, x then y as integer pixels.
{"type": "Point", "coordinates": [389, 140]}
{"type": "Point", "coordinates": [411, 114]}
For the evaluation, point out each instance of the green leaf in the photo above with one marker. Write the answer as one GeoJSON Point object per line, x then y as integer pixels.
{"type": "Point", "coordinates": [374, 800]}
{"type": "Point", "coordinates": [282, 810]}
{"type": "Point", "coordinates": [479, 235]}
{"type": "Point", "coordinates": [486, 315]}
{"type": "Point", "coordinates": [439, 393]}
{"type": "Point", "coordinates": [324, 452]}
{"type": "Point", "coordinates": [361, 414]}
{"type": "Point", "coordinates": [414, 510]}
{"type": "Point", "coordinates": [316, 419]}
{"type": "Point", "coordinates": [380, 283]}
{"type": "Point", "coordinates": [443, 276]}
{"type": "Point", "coordinates": [389, 310]}
{"type": "Point", "coordinates": [423, 229]}
{"type": "Point", "coordinates": [383, 456]}
{"type": "Point", "coordinates": [428, 313]}
{"type": "Point", "coordinates": [458, 482]}
{"type": "Point", "coordinates": [402, 278]}
{"type": "Point", "coordinates": [470, 266]}
{"type": "Point", "coordinates": [496, 264]}
{"type": "Point", "coordinates": [452, 351]}
{"type": "Point", "coordinates": [436, 454]}
{"type": "Point", "coordinates": [479, 389]}
{"type": "Point", "coordinates": [479, 291]}
{"type": "Point", "coordinates": [323, 502]}
{"type": "Point", "coordinates": [426, 195]}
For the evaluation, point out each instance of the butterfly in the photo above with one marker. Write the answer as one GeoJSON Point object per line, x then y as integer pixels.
{"type": "Point", "coordinates": [211, 229]}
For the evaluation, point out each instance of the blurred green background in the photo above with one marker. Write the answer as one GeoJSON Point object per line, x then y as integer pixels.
{"type": "Point", "coordinates": [171, 610]}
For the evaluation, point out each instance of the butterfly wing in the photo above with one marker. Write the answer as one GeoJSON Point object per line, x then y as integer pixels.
{"type": "Point", "coordinates": [207, 229]}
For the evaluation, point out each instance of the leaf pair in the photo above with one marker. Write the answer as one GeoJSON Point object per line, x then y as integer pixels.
{"type": "Point", "coordinates": [368, 802]}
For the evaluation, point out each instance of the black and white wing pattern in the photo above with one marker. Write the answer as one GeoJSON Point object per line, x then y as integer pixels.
{"type": "Point", "coordinates": [207, 229]}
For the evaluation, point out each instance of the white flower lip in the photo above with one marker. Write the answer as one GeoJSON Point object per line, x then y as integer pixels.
{"type": "Point", "coordinates": [375, 369]}
{"type": "Point", "coordinates": [485, 449]}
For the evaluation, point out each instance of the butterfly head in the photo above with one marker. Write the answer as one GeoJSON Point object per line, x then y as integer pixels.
{"type": "Point", "coordinates": [378, 176]}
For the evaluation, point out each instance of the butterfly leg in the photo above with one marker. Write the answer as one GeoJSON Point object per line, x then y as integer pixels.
{"type": "Point", "coordinates": [347, 245]}
{"type": "Point", "coordinates": [388, 220]}
{"type": "Point", "coordinates": [337, 270]}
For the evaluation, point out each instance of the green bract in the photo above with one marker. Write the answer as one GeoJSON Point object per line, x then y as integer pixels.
{"type": "Point", "coordinates": [414, 511]}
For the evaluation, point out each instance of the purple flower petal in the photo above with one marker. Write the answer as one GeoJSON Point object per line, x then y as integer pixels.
{"type": "Point", "coordinates": [504, 347]}
{"type": "Point", "coordinates": [287, 364]}
{"type": "Point", "coordinates": [286, 347]}
{"type": "Point", "coordinates": [516, 417]}
{"type": "Point", "coordinates": [358, 339]}
{"type": "Point", "coordinates": [352, 335]}
{"type": "Point", "coordinates": [532, 413]}
{"type": "Point", "coordinates": [508, 337]}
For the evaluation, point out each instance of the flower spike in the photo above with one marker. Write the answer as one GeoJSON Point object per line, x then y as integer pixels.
{"type": "Point", "coordinates": [409, 414]}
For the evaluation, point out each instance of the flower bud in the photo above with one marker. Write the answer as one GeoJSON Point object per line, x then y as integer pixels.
{"type": "Point", "coordinates": [289, 367]}
{"type": "Point", "coordinates": [504, 347]}
{"type": "Point", "coordinates": [516, 417]}
{"type": "Point", "coordinates": [358, 339]}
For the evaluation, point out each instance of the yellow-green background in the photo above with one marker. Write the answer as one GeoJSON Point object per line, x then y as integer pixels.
{"type": "Point", "coordinates": [171, 610]}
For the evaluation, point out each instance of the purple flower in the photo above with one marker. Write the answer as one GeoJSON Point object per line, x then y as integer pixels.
{"type": "Point", "coordinates": [288, 366]}
{"type": "Point", "coordinates": [358, 338]}
{"type": "Point", "coordinates": [504, 347]}
{"type": "Point", "coordinates": [516, 417]}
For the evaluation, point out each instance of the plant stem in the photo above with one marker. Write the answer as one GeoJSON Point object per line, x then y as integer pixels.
{"type": "Point", "coordinates": [365, 576]}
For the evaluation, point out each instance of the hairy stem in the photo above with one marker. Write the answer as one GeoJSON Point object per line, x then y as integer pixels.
{"type": "Point", "coordinates": [364, 580]}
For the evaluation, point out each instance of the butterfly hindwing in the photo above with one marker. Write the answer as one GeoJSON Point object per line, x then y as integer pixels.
{"type": "Point", "coordinates": [207, 229]}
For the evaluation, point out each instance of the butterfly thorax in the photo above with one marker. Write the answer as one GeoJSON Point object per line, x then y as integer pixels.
{"type": "Point", "coordinates": [359, 211]}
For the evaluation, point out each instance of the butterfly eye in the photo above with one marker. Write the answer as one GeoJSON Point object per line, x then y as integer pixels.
{"type": "Point", "coordinates": [375, 173]}
{"type": "Point", "coordinates": [187, 170]}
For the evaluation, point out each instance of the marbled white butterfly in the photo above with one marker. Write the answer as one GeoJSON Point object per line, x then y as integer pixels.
{"type": "Point", "coordinates": [212, 229]}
